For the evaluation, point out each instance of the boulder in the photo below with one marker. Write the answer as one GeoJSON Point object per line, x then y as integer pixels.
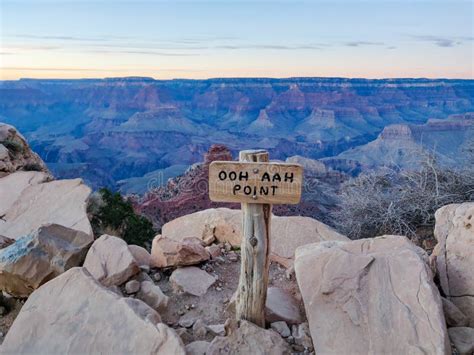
{"type": "Point", "coordinates": [289, 233]}
{"type": "Point", "coordinates": [12, 186]}
{"type": "Point", "coordinates": [110, 261]}
{"type": "Point", "coordinates": [41, 256]}
{"type": "Point", "coordinates": [152, 295]}
{"type": "Point", "coordinates": [166, 252]}
{"type": "Point", "coordinates": [224, 225]}
{"type": "Point", "coordinates": [62, 202]}
{"type": "Point", "coordinates": [75, 314]}
{"type": "Point", "coordinates": [463, 339]}
{"type": "Point", "coordinates": [371, 296]}
{"type": "Point", "coordinates": [247, 338]}
{"type": "Point", "coordinates": [15, 153]}
{"type": "Point", "coordinates": [191, 280]}
{"type": "Point", "coordinates": [141, 255]}
{"type": "Point", "coordinates": [281, 306]}
{"type": "Point", "coordinates": [453, 315]}
{"type": "Point", "coordinates": [454, 255]}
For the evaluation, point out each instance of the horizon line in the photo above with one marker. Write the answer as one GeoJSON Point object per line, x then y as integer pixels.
{"type": "Point", "coordinates": [132, 77]}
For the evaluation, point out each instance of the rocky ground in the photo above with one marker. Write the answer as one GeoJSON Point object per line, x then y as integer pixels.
{"type": "Point", "coordinates": [215, 308]}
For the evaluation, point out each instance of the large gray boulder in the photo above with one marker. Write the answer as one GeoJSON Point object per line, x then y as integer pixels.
{"type": "Point", "coordinates": [371, 296]}
{"type": "Point", "coordinates": [74, 314]}
{"type": "Point", "coordinates": [454, 255]}
{"type": "Point", "coordinates": [224, 225]}
{"type": "Point", "coordinates": [62, 202]}
{"type": "Point", "coordinates": [110, 261]}
{"type": "Point", "coordinates": [35, 259]}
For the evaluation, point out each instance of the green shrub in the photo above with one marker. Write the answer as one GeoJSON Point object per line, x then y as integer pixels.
{"type": "Point", "coordinates": [33, 167]}
{"type": "Point", "coordinates": [13, 146]}
{"type": "Point", "coordinates": [111, 212]}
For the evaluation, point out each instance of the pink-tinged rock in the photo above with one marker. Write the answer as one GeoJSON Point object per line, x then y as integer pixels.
{"type": "Point", "coordinates": [75, 314]}
{"type": "Point", "coordinates": [281, 306]}
{"type": "Point", "coordinates": [166, 252]}
{"type": "Point", "coordinates": [371, 296]}
{"type": "Point", "coordinates": [110, 261]}
{"type": "Point", "coordinates": [191, 280]}
{"type": "Point", "coordinates": [141, 255]}
{"type": "Point", "coordinates": [214, 250]}
{"type": "Point", "coordinates": [221, 224]}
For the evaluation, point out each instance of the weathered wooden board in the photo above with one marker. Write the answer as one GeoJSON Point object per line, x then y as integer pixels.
{"type": "Point", "coordinates": [268, 183]}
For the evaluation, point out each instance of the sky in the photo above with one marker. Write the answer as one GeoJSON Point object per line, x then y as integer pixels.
{"type": "Point", "coordinates": [206, 39]}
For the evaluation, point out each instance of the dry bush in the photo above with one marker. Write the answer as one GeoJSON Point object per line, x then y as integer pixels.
{"type": "Point", "coordinates": [392, 201]}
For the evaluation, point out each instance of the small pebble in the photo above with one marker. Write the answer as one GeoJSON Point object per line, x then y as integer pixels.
{"type": "Point", "coordinates": [218, 288]}
{"type": "Point", "coordinates": [3, 311]}
{"type": "Point", "coordinates": [157, 276]}
{"type": "Point", "coordinates": [132, 286]}
{"type": "Point", "coordinates": [232, 256]}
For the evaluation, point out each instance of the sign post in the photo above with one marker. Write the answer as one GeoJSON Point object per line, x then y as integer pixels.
{"type": "Point", "coordinates": [257, 184]}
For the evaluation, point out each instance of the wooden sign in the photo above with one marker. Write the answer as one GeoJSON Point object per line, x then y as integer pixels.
{"type": "Point", "coordinates": [266, 183]}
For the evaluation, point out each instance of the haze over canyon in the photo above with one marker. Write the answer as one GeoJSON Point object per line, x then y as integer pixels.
{"type": "Point", "coordinates": [125, 132]}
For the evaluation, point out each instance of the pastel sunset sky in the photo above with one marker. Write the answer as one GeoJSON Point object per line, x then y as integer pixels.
{"type": "Point", "coordinates": [203, 39]}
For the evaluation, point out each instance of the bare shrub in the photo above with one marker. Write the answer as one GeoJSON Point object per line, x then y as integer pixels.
{"type": "Point", "coordinates": [392, 201]}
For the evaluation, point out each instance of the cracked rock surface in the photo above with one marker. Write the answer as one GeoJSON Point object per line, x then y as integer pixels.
{"type": "Point", "coordinates": [454, 255]}
{"type": "Point", "coordinates": [371, 296]}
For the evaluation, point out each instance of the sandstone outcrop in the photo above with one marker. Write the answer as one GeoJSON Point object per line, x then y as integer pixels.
{"type": "Point", "coordinates": [110, 261]}
{"type": "Point", "coordinates": [37, 258]}
{"type": "Point", "coordinates": [74, 314]}
{"type": "Point", "coordinates": [454, 255]}
{"type": "Point", "coordinates": [371, 296]}
{"type": "Point", "coordinates": [15, 153]}
{"type": "Point", "coordinates": [166, 252]}
{"type": "Point", "coordinates": [62, 202]}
